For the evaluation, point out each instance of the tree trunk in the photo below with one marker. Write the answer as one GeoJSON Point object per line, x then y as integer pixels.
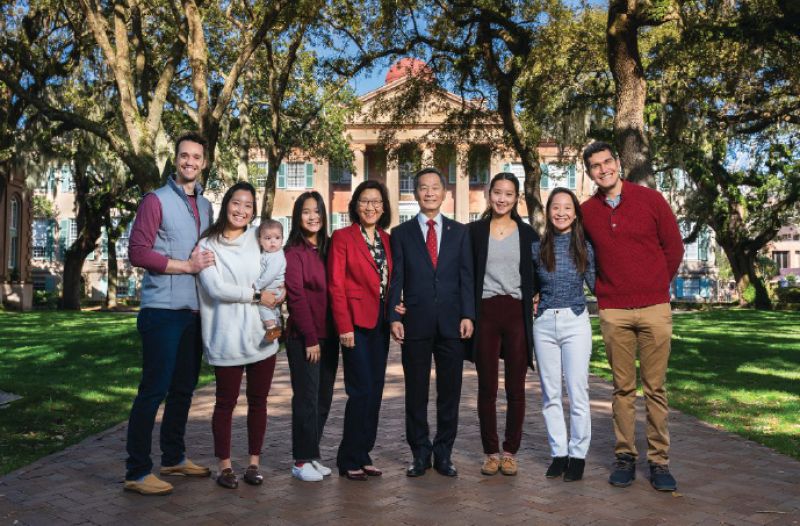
{"type": "Point", "coordinates": [743, 266]}
{"type": "Point", "coordinates": [112, 234]}
{"type": "Point", "coordinates": [622, 37]}
{"type": "Point", "coordinates": [244, 131]}
{"type": "Point", "coordinates": [274, 159]}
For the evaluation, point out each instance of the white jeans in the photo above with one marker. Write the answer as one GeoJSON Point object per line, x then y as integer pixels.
{"type": "Point", "coordinates": [563, 343]}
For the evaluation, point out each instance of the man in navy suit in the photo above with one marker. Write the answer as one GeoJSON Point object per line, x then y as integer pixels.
{"type": "Point", "coordinates": [432, 271]}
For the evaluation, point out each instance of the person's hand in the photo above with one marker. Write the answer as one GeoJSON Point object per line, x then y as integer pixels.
{"type": "Point", "coordinates": [348, 339]}
{"type": "Point", "coordinates": [199, 260]}
{"type": "Point", "coordinates": [312, 354]}
{"type": "Point", "coordinates": [401, 309]}
{"type": "Point", "coordinates": [398, 331]}
{"type": "Point", "coordinates": [466, 328]}
{"type": "Point", "coordinates": [536, 299]}
{"type": "Point", "coordinates": [281, 295]}
{"type": "Point", "coordinates": [268, 299]}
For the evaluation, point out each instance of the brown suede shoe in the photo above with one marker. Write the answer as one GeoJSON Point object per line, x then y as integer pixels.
{"type": "Point", "coordinates": [150, 485]}
{"type": "Point", "coordinates": [187, 468]}
{"type": "Point", "coordinates": [252, 476]}
{"type": "Point", "coordinates": [490, 466]}
{"type": "Point", "coordinates": [508, 466]}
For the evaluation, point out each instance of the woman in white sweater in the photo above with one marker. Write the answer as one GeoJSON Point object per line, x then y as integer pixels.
{"type": "Point", "coordinates": [232, 330]}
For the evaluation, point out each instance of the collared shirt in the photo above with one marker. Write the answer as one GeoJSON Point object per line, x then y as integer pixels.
{"type": "Point", "coordinates": [614, 201]}
{"type": "Point", "coordinates": [423, 224]}
{"type": "Point", "coordinates": [378, 253]}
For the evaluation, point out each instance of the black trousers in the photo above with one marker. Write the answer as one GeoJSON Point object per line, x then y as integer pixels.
{"type": "Point", "coordinates": [364, 374]}
{"type": "Point", "coordinates": [312, 393]}
{"type": "Point", "coordinates": [448, 355]}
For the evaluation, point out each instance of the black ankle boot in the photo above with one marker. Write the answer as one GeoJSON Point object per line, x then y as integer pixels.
{"type": "Point", "coordinates": [574, 470]}
{"type": "Point", "coordinates": [557, 467]}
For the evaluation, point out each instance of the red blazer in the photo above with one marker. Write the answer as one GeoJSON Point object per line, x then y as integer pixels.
{"type": "Point", "coordinates": [354, 285]}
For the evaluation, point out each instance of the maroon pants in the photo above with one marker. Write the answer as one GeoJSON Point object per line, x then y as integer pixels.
{"type": "Point", "coordinates": [229, 381]}
{"type": "Point", "coordinates": [501, 328]}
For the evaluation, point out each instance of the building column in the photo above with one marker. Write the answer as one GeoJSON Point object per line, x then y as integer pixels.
{"type": "Point", "coordinates": [357, 177]}
{"type": "Point", "coordinates": [462, 183]}
{"type": "Point", "coordinates": [393, 183]}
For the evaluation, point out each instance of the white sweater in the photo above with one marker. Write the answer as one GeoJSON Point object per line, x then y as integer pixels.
{"type": "Point", "coordinates": [232, 329]}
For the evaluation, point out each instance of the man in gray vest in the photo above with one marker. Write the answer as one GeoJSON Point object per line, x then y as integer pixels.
{"type": "Point", "coordinates": [163, 241]}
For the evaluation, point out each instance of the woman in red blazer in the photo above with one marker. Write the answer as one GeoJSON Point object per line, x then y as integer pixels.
{"type": "Point", "coordinates": [359, 269]}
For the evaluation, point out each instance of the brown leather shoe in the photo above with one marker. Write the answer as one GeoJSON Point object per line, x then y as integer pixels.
{"type": "Point", "coordinates": [149, 485]}
{"type": "Point", "coordinates": [227, 479]}
{"type": "Point", "coordinates": [252, 476]}
{"type": "Point", "coordinates": [357, 474]}
{"type": "Point", "coordinates": [372, 471]}
{"type": "Point", "coordinates": [187, 468]}
{"type": "Point", "coordinates": [508, 465]}
{"type": "Point", "coordinates": [490, 466]}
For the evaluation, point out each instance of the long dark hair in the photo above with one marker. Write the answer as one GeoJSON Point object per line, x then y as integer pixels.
{"type": "Point", "coordinates": [296, 235]}
{"type": "Point", "coordinates": [503, 176]}
{"type": "Point", "coordinates": [216, 230]}
{"type": "Point", "coordinates": [577, 243]}
{"type": "Point", "coordinates": [352, 208]}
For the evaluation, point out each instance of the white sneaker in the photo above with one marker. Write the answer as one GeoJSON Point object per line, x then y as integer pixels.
{"type": "Point", "coordinates": [307, 473]}
{"type": "Point", "coordinates": [321, 469]}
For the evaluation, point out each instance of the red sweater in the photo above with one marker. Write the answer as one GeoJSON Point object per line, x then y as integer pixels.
{"type": "Point", "coordinates": [638, 247]}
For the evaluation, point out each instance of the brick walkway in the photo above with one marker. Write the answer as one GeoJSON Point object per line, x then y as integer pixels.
{"type": "Point", "coordinates": [723, 479]}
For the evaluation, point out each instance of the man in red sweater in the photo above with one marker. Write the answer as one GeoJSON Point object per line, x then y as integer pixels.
{"type": "Point", "coordinates": [638, 248]}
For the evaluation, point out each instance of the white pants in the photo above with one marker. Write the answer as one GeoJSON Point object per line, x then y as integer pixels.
{"type": "Point", "coordinates": [563, 343]}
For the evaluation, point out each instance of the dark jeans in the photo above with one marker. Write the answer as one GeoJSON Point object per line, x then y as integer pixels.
{"type": "Point", "coordinates": [448, 354]}
{"type": "Point", "coordinates": [364, 374]}
{"type": "Point", "coordinates": [229, 383]}
{"type": "Point", "coordinates": [312, 392]}
{"type": "Point", "coordinates": [171, 351]}
{"type": "Point", "coordinates": [501, 328]}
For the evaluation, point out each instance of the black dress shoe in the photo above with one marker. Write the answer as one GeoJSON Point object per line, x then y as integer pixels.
{"type": "Point", "coordinates": [446, 468]}
{"type": "Point", "coordinates": [418, 467]}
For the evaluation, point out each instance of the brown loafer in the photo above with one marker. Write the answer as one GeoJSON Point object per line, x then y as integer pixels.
{"type": "Point", "coordinates": [358, 475]}
{"type": "Point", "coordinates": [372, 471]}
{"type": "Point", "coordinates": [490, 466]}
{"type": "Point", "coordinates": [187, 468]}
{"type": "Point", "coordinates": [252, 476]}
{"type": "Point", "coordinates": [227, 479]}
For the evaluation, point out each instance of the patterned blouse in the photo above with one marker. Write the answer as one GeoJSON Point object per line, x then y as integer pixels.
{"type": "Point", "coordinates": [379, 255]}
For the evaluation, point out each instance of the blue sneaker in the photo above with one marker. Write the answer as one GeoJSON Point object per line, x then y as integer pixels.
{"type": "Point", "coordinates": [624, 471]}
{"type": "Point", "coordinates": [661, 479]}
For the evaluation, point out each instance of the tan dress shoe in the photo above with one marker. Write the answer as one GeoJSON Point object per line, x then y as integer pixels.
{"type": "Point", "coordinates": [508, 466]}
{"type": "Point", "coordinates": [150, 485]}
{"type": "Point", "coordinates": [490, 466]}
{"type": "Point", "coordinates": [187, 468]}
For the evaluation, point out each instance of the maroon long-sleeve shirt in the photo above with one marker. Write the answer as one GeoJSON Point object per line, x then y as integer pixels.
{"type": "Point", "coordinates": [638, 247]}
{"type": "Point", "coordinates": [307, 295]}
{"type": "Point", "coordinates": [144, 232]}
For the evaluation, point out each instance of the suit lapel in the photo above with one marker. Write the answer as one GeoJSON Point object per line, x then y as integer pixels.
{"type": "Point", "coordinates": [419, 239]}
{"type": "Point", "coordinates": [482, 240]}
{"type": "Point", "coordinates": [448, 238]}
{"type": "Point", "coordinates": [387, 247]}
{"type": "Point", "coordinates": [358, 239]}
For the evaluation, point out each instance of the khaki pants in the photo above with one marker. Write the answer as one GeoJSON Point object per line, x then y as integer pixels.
{"type": "Point", "coordinates": [648, 329]}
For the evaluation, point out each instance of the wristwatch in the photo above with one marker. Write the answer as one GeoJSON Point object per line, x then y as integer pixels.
{"type": "Point", "coordinates": [256, 296]}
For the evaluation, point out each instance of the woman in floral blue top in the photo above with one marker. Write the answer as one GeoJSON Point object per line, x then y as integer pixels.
{"type": "Point", "coordinates": [562, 335]}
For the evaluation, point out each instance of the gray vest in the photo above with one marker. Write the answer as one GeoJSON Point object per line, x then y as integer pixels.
{"type": "Point", "coordinates": [176, 238]}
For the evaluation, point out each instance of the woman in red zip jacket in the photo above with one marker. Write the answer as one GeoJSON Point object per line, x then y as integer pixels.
{"type": "Point", "coordinates": [359, 269]}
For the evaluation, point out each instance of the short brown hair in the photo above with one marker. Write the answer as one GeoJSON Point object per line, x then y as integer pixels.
{"type": "Point", "coordinates": [192, 136]}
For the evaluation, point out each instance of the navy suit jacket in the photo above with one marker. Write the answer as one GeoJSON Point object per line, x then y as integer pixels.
{"type": "Point", "coordinates": [437, 299]}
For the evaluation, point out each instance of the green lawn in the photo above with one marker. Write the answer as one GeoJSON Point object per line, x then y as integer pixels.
{"type": "Point", "coordinates": [77, 374]}
{"type": "Point", "coordinates": [736, 369]}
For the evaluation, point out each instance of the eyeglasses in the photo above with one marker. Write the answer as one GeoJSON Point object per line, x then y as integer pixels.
{"type": "Point", "coordinates": [365, 203]}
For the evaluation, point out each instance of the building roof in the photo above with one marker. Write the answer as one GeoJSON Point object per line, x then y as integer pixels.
{"type": "Point", "coordinates": [408, 66]}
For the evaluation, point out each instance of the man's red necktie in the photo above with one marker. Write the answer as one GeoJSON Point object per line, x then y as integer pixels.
{"type": "Point", "coordinates": [431, 242]}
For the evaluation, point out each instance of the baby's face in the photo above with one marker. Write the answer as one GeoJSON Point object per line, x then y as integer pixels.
{"type": "Point", "coordinates": [271, 240]}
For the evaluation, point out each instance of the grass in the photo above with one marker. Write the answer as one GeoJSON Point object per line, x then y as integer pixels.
{"type": "Point", "coordinates": [77, 373]}
{"type": "Point", "coordinates": [736, 369]}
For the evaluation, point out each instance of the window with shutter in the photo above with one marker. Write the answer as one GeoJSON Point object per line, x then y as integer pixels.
{"type": "Point", "coordinates": [544, 182]}
{"type": "Point", "coordinates": [282, 176]}
{"type": "Point", "coordinates": [309, 175]}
